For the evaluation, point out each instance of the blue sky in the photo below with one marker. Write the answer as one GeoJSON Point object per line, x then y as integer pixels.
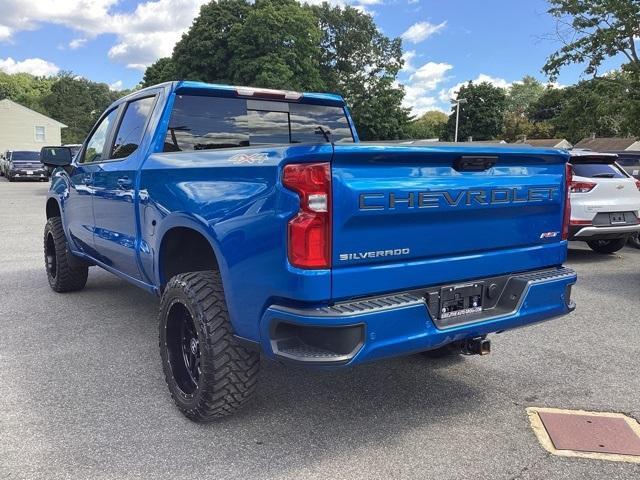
{"type": "Point", "coordinates": [446, 41]}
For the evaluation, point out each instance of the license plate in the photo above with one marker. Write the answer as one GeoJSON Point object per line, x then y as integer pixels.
{"type": "Point", "coordinates": [461, 300]}
{"type": "Point", "coordinates": [617, 218]}
{"type": "Point", "coordinates": [29, 172]}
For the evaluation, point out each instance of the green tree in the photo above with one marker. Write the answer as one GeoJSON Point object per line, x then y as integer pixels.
{"type": "Point", "coordinates": [283, 44]}
{"type": "Point", "coordinates": [598, 106]}
{"type": "Point", "coordinates": [362, 64]}
{"type": "Point", "coordinates": [78, 103]}
{"type": "Point", "coordinates": [592, 31]}
{"type": "Point", "coordinates": [429, 125]}
{"type": "Point", "coordinates": [520, 97]}
{"type": "Point", "coordinates": [25, 89]}
{"type": "Point", "coordinates": [482, 117]}
{"type": "Point", "coordinates": [163, 70]}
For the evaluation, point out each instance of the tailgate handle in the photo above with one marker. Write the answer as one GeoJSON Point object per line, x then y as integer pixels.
{"type": "Point", "coordinates": [474, 164]}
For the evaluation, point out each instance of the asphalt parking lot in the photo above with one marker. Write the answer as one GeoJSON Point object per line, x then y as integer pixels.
{"type": "Point", "coordinates": [83, 395]}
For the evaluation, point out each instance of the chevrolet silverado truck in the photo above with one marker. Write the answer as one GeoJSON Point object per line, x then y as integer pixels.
{"type": "Point", "coordinates": [267, 228]}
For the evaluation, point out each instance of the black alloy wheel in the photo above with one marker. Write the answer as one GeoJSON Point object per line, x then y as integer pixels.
{"type": "Point", "coordinates": [183, 348]}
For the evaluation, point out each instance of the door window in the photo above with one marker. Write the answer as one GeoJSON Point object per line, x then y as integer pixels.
{"type": "Point", "coordinates": [97, 143]}
{"type": "Point", "coordinates": [131, 128]}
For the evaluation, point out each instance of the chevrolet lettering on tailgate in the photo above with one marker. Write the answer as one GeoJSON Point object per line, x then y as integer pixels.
{"type": "Point", "coordinates": [459, 198]}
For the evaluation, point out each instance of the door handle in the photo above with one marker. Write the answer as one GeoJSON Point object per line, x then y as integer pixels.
{"type": "Point", "coordinates": [124, 183]}
{"type": "Point", "coordinates": [87, 178]}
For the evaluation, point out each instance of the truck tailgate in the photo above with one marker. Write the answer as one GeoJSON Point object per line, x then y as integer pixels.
{"type": "Point", "coordinates": [411, 216]}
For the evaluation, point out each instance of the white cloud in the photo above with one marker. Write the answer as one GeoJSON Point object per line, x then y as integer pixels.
{"type": "Point", "coordinates": [420, 31]}
{"type": "Point", "coordinates": [422, 84]}
{"type": "Point", "coordinates": [5, 33]}
{"type": "Point", "coordinates": [447, 94]}
{"type": "Point", "coordinates": [430, 75]}
{"type": "Point", "coordinates": [142, 36]}
{"type": "Point", "coordinates": [77, 43]}
{"type": "Point", "coordinates": [408, 59]}
{"type": "Point", "coordinates": [116, 86]}
{"type": "Point", "coordinates": [34, 66]}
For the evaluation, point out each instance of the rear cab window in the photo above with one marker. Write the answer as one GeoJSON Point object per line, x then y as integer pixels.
{"type": "Point", "coordinates": [204, 123]}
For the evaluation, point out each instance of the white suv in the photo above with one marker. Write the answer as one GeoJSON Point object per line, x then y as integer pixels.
{"type": "Point", "coordinates": [605, 201]}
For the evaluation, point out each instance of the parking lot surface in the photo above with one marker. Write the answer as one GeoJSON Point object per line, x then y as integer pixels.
{"type": "Point", "coordinates": [83, 395]}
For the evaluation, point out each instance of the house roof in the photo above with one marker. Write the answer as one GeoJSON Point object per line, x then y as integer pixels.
{"type": "Point", "coordinates": [544, 142]}
{"type": "Point", "coordinates": [608, 144]}
{"type": "Point", "coordinates": [33, 112]}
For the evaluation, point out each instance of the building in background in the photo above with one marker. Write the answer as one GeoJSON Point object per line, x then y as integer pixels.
{"type": "Point", "coordinates": [609, 144]}
{"type": "Point", "coordinates": [24, 129]}
{"type": "Point", "coordinates": [547, 143]}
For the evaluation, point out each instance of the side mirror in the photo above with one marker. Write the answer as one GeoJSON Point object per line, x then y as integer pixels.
{"type": "Point", "coordinates": [56, 156]}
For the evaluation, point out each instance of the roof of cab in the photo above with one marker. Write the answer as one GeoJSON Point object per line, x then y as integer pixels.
{"type": "Point", "coordinates": [259, 93]}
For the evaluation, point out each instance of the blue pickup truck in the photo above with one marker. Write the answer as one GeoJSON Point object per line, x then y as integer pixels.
{"type": "Point", "coordinates": [266, 227]}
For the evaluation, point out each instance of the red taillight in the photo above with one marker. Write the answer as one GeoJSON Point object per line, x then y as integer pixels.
{"type": "Point", "coordinates": [309, 233]}
{"type": "Point", "coordinates": [582, 187]}
{"type": "Point", "coordinates": [567, 202]}
{"type": "Point", "coordinates": [638, 184]}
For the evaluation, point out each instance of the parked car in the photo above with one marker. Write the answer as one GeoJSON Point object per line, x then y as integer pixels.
{"type": "Point", "coordinates": [23, 165]}
{"type": "Point", "coordinates": [605, 201]}
{"type": "Point", "coordinates": [267, 227]}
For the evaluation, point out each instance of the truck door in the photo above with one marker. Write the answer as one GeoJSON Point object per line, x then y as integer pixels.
{"type": "Point", "coordinates": [114, 192]}
{"type": "Point", "coordinates": [78, 207]}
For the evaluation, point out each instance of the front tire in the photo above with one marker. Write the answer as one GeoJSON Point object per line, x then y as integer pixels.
{"type": "Point", "coordinates": [607, 246]}
{"type": "Point", "coordinates": [62, 274]}
{"type": "Point", "coordinates": [209, 373]}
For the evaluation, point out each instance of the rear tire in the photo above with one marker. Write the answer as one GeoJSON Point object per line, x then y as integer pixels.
{"type": "Point", "coordinates": [607, 246]}
{"type": "Point", "coordinates": [634, 240]}
{"type": "Point", "coordinates": [209, 373]}
{"type": "Point", "coordinates": [62, 274]}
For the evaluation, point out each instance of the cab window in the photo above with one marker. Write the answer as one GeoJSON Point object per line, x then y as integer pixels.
{"type": "Point", "coordinates": [96, 145]}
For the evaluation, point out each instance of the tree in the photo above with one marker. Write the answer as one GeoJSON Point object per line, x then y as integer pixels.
{"type": "Point", "coordinates": [598, 106]}
{"type": "Point", "coordinates": [25, 89]}
{"type": "Point", "coordinates": [519, 98]}
{"type": "Point", "coordinates": [430, 125]}
{"type": "Point", "coordinates": [283, 44]}
{"type": "Point", "coordinates": [362, 64]}
{"type": "Point", "coordinates": [482, 117]}
{"type": "Point", "coordinates": [163, 70]}
{"type": "Point", "coordinates": [78, 103]}
{"type": "Point", "coordinates": [594, 30]}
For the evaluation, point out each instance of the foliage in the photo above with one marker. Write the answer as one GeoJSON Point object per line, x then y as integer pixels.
{"type": "Point", "coordinates": [25, 89]}
{"type": "Point", "coordinates": [520, 97]}
{"type": "Point", "coordinates": [74, 101]}
{"type": "Point", "coordinates": [430, 125]}
{"type": "Point", "coordinates": [362, 64]}
{"type": "Point", "coordinates": [283, 44]}
{"type": "Point", "coordinates": [482, 117]}
{"type": "Point", "coordinates": [602, 106]}
{"type": "Point", "coordinates": [592, 31]}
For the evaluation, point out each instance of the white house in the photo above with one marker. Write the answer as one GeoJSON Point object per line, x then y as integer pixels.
{"type": "Point", "coordinates": [24, 129]}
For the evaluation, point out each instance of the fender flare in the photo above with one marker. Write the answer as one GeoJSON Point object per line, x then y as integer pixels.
{"type": "Point", "coordinates": [193, 222]}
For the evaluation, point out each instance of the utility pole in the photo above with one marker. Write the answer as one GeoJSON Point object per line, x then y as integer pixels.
{"type": "Point", "coordinates": [458, 101]}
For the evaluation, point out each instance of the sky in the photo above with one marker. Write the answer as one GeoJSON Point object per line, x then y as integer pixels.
{"type": "Point", "coordinates": [446, 42]}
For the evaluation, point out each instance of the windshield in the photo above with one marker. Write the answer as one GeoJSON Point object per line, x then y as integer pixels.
{"type": "Point", "coordinates": [28, 156]}
{"type": "Point", "coordinates": [202, 123]}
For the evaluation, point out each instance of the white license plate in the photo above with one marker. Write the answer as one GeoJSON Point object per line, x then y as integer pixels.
{"type": "Point", "coordinates": [29, 172]}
